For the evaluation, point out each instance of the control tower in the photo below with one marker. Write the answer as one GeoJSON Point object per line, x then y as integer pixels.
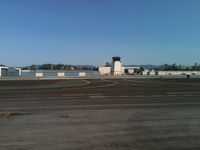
{"type": "Point", "coordinates": [116, 68]}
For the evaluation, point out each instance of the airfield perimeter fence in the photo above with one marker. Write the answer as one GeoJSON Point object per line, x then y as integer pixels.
{"type": "Point", "coordinates": [57, 73]}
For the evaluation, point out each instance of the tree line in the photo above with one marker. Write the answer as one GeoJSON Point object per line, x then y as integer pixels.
{"type": "Point", "coordinates": [58, 67]}
{"type": "Point", "coordinates": [165, 67]}
{"type": "Point", "coordinates": [175, 67]}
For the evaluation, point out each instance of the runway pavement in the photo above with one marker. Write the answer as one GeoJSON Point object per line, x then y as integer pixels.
{"type": "Point", "coordinates": [112, 114]}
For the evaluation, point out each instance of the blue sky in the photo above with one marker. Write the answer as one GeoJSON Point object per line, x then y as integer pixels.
{"type": "Point", "coordinates": [92, 31]}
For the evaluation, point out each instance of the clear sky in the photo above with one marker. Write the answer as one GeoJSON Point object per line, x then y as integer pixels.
{"type": "Point", "coordinates": [92, 31]}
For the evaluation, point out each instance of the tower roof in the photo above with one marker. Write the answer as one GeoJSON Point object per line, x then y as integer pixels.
{"type": "Point", "coordinates": [116, 58]}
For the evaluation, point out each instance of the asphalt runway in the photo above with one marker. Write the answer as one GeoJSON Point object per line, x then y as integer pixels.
{"type": "Point", "coordinates": [119, 114]}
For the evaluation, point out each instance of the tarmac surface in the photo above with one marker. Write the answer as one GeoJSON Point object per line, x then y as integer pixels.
{"type": "Point", "coordinates": [123, 114]}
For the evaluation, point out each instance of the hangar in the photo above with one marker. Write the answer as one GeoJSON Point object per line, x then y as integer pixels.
{"type": "Point", "coordinates": [9, 71]}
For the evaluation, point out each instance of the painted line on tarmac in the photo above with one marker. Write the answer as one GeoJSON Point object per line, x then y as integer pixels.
{"type": "Point", "coordinates": [182, 92]}
{"type": "Point", "coordinates": [17, 144]}
{"type": "Point", "coordinates": [156, 95]}
{"type": "Point", "coordinates": [92, 96]}
{"type": "Point", "coordinates": [26, 99]}
{"type": "Point", "coordinates": [56, 98]}
{"type": "Point", "coordinates": [139, 96]}
{"type": "Point", "coordinates": [137, 84]}
{"type": "Point", "coordinates": [12, 99]}
{"type": "Point", "coordinates": [34, 98]}
{"type": "Point", "coordinates": [153, 83]}
{"type": "Point", "coordinates": [110, 105]}
{"type": "Point", "coordinates": [175, 95]}
{"type": "Point", "coordinates": [113, 83]}
{"type": "Point", "coordinates": [97, 97]}
{"type": "Point", "coordinates": [66, 95]}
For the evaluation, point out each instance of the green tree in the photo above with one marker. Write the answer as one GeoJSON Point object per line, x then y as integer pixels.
{"type": "Point", "coordinates": [126, 71]}
{"type": "Point", "coordinates": [60, 67]}
{"type": "Point", "coordinates": [107, 64]}
{"type": "Point", "coordinates": [46, 67]}
{"type": "Point", "coordinates": [138, 71]}
{"type": "Point", "coordinates": [33, 67]}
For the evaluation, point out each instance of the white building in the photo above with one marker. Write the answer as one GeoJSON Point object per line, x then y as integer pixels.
{"type": "Point", "coordinates": [131, 69]}
{"type": "Point", "coordinates": [9, 71]}
{"type": "Point", "coordinates": [3, 71]}
{"type": "Point", "coordinates": [104, 70]}
{"type": "Point", "coordinates": [116, 68]}
{"type": "Point", "coordinates": [149, 72]}
{"type": "Point", "coordinates": [19, 70]}
{"type": "Point", "coordinates": [170, 73]}
{"type": "Point", "coordinates": [165, 73]}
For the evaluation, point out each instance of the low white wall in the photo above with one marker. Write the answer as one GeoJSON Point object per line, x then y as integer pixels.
{"type": "Point", "coordinates": [152, 73]}
{"type": "Point", "coordinates": [61, 74]}
{"type": "Point", "coordinates": [145, 72]}
{"type": "Point", "coordinates": [162, 73]}
{"type": "Point", "coordinates": [148, 72]}
{"type": "Point", "coordinates": [178, 73]}
{"type": "Point", "coordinates": [82, 74]}
{"type": "Point", "coordinates": [39, 74]}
